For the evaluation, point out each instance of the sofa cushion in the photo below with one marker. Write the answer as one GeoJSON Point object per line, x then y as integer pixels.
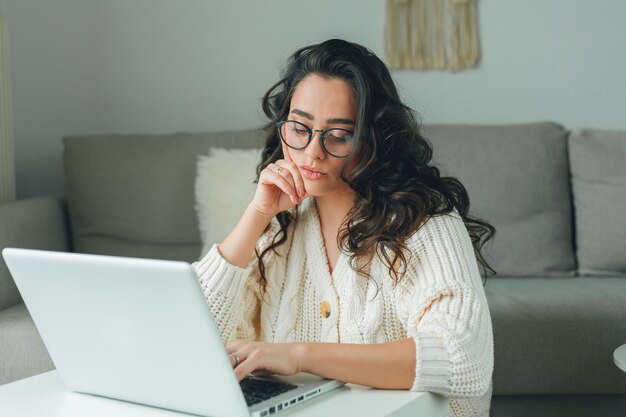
{"type": "Point", "coordinates": [598, 165]}
{"type": "Point", "coordinates": [216, 177]}
{"type": "Point", "coordinates": [557, 335]}
{"type": "Point", "coordinates": [21, 348]}
{"type": "Point", "coordinates": [34, 223]}
{"type": "Point", "coordinates": [517, 179]}
{"type": "Point", "coordinates": [133, 195]}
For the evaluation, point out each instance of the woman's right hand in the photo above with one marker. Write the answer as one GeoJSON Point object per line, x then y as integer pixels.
{"type": "Point", "coordinates": [280, 187]}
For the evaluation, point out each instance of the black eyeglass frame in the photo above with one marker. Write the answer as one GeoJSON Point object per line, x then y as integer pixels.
{"type": "Point", "coordinates": [279, 126]}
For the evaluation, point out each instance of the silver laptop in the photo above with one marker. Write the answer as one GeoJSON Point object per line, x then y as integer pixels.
{"type": "Point", "coordinates": [140, 330]}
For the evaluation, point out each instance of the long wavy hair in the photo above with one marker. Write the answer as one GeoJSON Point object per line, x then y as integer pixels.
{"type": "Point", "coordinates": [396, 187]}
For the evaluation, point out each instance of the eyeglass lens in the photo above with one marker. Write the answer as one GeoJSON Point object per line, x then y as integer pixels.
{"type": "Point", "coordinates": [337, 142]}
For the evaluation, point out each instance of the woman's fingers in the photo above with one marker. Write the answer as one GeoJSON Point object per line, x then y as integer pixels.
{"type": "Point", "coordinates": [252, 361]}
{"type": "Point", "coordinates": [280, 181]}
{"type": "Point", "coordinates": [235, 351]}
{"type": "Point", "coordinates": [235, 345]}
{"type": "Point", "coordinates": [245, 368]}
{"type": "Point", "coordinates": [280, 187]}
{"type": "Point", "coordinates": [244, 351]}
{"type": "Point", "coordinates": [286, 170]}
{"type": "Point", "coordinates": [233, 360]}
{"type": "Point", "coordinates": [295, 175]}
{"type": "Point", "coordinates": [261, 358]}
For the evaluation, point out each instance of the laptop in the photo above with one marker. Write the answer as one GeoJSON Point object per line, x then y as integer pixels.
{"type": "Point", "coordinates": [140, 330]}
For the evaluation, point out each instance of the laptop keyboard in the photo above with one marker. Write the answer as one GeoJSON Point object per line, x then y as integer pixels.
{"type": "Point", "coordinates": [256, 390]}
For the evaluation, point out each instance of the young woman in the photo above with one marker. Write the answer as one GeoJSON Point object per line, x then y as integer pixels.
{"type": "Point", "coordinates": [355, 260]}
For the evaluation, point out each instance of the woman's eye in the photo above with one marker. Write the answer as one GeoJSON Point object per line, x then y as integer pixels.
{"type": "Point", "coordinates": [300, 131]}
{"type": "Point", "coordinates": [340, 137]}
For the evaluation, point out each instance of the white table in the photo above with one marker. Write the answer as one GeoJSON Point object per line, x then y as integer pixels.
{"type": "Point", "coordinates": [619, 356]}
{"type": "Point", "coordinates": [45, 395]}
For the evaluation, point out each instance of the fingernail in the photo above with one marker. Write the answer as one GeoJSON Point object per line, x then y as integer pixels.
{"type": "Point", "coordinates": [301, 191]}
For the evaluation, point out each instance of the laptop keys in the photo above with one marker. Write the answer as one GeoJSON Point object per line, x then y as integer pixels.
{"type": "Point", "coordinates": [256, 390]}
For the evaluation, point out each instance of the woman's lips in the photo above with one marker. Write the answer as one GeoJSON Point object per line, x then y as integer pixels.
{"type": "Point", "coordinates": [310, 173]}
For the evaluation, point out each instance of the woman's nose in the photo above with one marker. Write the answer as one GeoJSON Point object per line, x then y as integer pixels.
{"type": "Point", "coordinates": [315, 149]}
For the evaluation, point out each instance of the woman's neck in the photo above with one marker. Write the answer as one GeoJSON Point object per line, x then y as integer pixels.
{"type": "Point", "coordinates": [332, 209]}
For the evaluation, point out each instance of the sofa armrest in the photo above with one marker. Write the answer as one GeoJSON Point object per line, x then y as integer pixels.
{"type": "Point", "coordinates": [34, 223]}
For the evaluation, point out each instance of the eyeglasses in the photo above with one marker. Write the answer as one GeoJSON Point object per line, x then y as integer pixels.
{"type": "Point", "coordinates": [336, 142]}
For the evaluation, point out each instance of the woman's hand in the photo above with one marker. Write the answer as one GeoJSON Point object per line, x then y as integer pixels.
{"type": "Point", "coordinates": [265, 358]}
{"type": "Point", "coordinates": [280, 187]}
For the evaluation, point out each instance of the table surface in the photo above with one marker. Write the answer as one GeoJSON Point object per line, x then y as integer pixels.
{"type": "Point", "coordinates": [45, 395]}
{"type": "Point", "coordinates": [619, 356]}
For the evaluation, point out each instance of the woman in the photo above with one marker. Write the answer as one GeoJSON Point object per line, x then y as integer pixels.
{"type": "Point", "coordinates": [353, 261]}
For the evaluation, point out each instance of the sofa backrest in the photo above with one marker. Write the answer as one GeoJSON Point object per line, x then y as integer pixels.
{"type": "Point", "coordinates": [33, 223]}
{"type": "Point", "coordinates": [598, 165]}
{"type": "Point", "coordinates": [517, 178]}
{"type": "Point", "coordinates": [133, 195]}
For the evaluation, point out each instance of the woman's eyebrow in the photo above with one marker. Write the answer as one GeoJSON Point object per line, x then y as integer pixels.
{"type": "Point", "coordinates": [303, 114]}
{"type": "Point", "coordinates": [332, 120]}
{"type": "Point", "coordinates": [341, 121]}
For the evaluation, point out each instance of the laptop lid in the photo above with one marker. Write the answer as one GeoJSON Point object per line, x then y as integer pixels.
{"type": "Point", "coordinates": [134, 329]}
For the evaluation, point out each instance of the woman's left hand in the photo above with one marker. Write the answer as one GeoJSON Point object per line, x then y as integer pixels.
{"type": "Point", "coordinates": [265, 358]}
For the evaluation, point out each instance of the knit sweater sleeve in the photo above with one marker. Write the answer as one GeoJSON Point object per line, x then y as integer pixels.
{"type": "Point", "coordinates": [444, 309]}
{"type": "Point", "coordinates": [230, 294]}
{"type": "Point", "coordinates": [233, 293]}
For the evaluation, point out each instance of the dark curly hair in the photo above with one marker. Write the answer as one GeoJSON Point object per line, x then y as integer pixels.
{"type": "Point", "coordinates": [396, 188]}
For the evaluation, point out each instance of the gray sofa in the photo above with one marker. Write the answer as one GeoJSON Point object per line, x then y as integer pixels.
{"type": "Point", "coordinates": [556, 197]}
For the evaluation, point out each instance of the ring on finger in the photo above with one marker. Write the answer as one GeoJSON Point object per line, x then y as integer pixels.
{"type": "Point", "coordinates": [278, 170]}
{"type": "Point", "coordinates": [236, 358]}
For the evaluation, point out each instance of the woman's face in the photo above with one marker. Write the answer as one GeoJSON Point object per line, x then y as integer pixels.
{"type": "Point", "coordinates": [321, 103]}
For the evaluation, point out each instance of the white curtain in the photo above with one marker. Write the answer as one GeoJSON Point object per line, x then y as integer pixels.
{"type": "Point", "coordinates": [7, 156]}
{"type": "Point", "coordinates": [431, 34]}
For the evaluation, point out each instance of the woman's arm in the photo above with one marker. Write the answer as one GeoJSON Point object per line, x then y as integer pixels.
{"type": "Point", "coordinates": [442, 304]}
{"type": "Point", "coordinates": [238, 247]}
{"type": "Point", "coordinates": [280, 188]}
{"type": "Point", "coordinates": [231, 294]}
{"type": "Point", "coordinates": [224, 272]}
{"type": "Point", "coordinates": [385, 366]}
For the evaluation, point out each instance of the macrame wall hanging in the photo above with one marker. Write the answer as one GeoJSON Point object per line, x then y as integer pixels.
{"type": "Point", "coordinates": [431, 34]}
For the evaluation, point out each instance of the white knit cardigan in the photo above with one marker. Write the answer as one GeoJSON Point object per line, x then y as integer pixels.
{"type": "Point", "coordinates": [440, 303]}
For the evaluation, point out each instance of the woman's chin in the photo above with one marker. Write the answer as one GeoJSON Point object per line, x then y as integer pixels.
{"type": "Point", "coordinates": [314, 189]}
{"type": "Point", "coordinates": [310, 193]}
{"type": "Point", "coordinates": [321, 188]}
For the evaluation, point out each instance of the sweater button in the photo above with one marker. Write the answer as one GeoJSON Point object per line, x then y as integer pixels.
{"type": "Point", "coordinates": [325, 309]}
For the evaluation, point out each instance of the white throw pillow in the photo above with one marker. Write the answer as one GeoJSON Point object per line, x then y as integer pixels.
{"type": "Point", "coordinates": [224, 187]}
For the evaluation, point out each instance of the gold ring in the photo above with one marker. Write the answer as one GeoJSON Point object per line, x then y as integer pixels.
{"type": "Point", "coordinates": [278, 170]}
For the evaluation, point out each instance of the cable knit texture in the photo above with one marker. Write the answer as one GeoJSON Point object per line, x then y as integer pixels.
{"type": "Point", "coordinates": [440, 303]}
